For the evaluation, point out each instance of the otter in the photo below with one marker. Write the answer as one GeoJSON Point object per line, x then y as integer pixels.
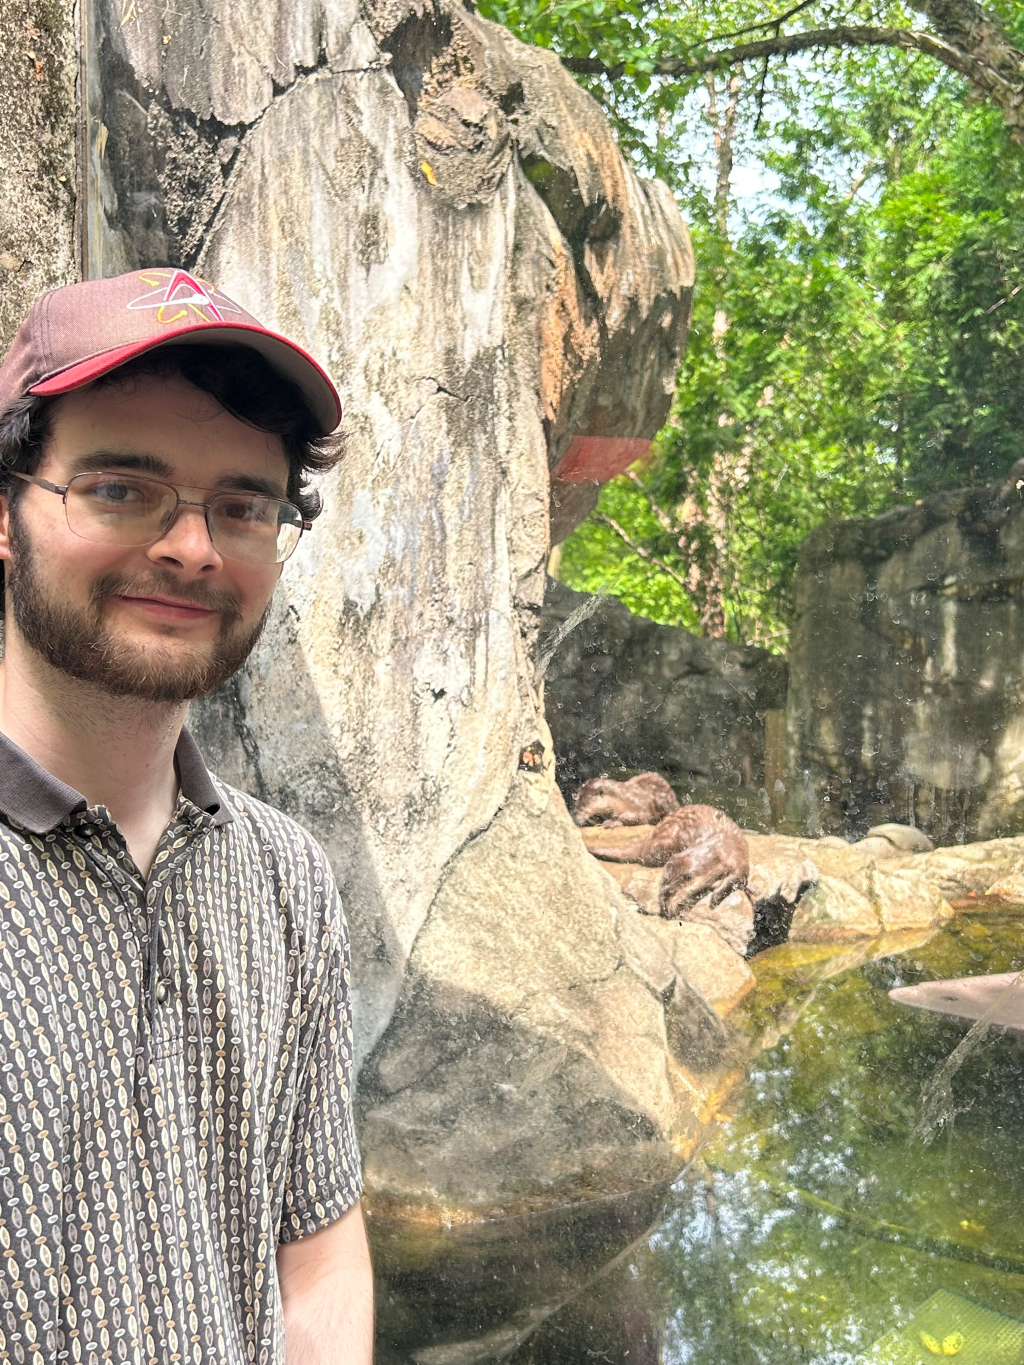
{"type": "Point", "coordinates": [703, 852]}
{"type": "Point", "coordinates": [643, 800]}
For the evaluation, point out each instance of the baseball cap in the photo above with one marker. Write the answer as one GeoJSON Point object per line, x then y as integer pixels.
{"type": "Point", "coordinates": [75, 334]}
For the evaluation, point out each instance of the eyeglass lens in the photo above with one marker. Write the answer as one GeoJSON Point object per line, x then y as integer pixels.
{"type": "Point", "coordinates": [125, 510]}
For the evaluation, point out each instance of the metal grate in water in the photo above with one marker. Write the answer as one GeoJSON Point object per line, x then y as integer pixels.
{"type": "Point", "coordinates": [949, 1327]}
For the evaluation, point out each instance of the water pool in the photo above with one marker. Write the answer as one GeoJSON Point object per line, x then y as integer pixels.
{"type": "Point", "coordinates": [817, 1225]}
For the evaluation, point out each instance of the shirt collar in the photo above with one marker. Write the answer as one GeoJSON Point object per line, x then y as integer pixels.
{"type": "Point", "coordinates": [38, 801]}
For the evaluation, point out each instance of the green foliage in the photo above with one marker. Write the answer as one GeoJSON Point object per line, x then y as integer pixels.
{"type": "Point", "coordinates": [858, 329]}
{"type": "Point", "coordinates": [596, 559]}
{"type": "Point", "coordinates": [960, 223]}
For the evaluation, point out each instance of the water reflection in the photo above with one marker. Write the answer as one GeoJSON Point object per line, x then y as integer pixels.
{"type": "Point", "coordinates": [460, 1295]}
{"type": "Point", "coordinates": [815, 1228]}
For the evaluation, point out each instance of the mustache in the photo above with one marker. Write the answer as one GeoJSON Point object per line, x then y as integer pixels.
{"type": "Point", "coordinates": [166, 585]}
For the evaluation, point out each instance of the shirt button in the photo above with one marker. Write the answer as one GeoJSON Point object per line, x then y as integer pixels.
{"type": "Point", "coordinates": [162, 992]}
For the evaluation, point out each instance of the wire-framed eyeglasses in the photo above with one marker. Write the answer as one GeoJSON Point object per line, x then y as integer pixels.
{"type": "Point", "coordinates": [131, 510]}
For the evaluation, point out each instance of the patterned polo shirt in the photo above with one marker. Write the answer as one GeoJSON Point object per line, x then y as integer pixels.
{"type": "Point", "coordinates": [159, 1138]}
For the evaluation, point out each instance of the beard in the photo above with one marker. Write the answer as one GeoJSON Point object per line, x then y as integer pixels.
{"type": "Point", "coordinates": [77, 641]}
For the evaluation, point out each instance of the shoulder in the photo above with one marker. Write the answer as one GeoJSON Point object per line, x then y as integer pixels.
{"type": "Point", "coordinates": [283, 852]}
{"type": "Point", "coordinates": [270, 827]}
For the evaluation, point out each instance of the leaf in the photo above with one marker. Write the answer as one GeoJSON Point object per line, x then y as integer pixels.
{"type": "Point", "coordinates": [930, 1344]}
{"type": "Point", "coordinates": [428, 171]}
{"type": "Point", "coordinates": [953, 1344]}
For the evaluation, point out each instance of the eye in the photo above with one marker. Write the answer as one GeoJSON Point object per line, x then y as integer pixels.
{"type": "Point", "coordinates": [117, 492]}
{"type": "Point", "coordinates": [241, 509]}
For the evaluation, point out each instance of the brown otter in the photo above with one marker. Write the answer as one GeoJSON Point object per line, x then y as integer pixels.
{"type": "Point", "coordinates": [643, 800]}
{"type": "Point", "coordinates": [703, 852]}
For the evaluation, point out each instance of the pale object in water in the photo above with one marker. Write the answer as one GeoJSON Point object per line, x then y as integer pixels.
{"type": "Point", "coordinates": [995, 998]}
{"type": "Point", "coordinates": [951, 1326]}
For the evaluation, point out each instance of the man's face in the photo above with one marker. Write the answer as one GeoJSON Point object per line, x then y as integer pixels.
{"type": "Point", "coordinates": [163, 622]}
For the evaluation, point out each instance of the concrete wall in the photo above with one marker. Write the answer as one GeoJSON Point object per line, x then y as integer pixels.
{"type": "Point", "coordinates": [906, 697]}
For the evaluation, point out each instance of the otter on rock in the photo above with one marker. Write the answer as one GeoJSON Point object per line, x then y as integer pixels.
{"type": "Point", "coordinates": [703, 852]}
{"type": "Point", "coordinates": [643, 800]}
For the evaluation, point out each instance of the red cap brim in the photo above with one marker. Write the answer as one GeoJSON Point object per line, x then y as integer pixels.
{"type": "Point", "coordinates": [285, 357]}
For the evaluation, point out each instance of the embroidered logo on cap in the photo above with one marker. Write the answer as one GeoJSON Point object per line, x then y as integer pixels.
{"type": "Point", "coordinates": [183, 298]}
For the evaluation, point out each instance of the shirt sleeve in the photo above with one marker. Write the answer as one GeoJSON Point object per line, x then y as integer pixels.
{"type": "Point", "coordinates": [324, 1176]}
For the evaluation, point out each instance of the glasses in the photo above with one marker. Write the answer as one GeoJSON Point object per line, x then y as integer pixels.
{"type": "Point", "coordinates": [123, 509]}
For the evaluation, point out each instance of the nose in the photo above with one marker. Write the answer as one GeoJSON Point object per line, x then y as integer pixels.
{"type": "Point", "coordinates": [186, 544]}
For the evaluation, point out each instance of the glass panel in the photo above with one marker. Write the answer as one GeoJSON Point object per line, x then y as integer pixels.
{"type": "Point", "coordinates": [654, 678]}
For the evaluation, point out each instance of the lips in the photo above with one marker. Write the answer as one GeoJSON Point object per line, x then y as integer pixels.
{"type": "Point", "coordinates": [170, 608]}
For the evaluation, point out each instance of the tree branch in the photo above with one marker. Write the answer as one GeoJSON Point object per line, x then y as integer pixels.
{"type": "Point", "coordinates": [993, 65]}
{"type": "Point", "coordinates": [969, 41]}
{"type": "Point", "coordinates": [775, 22]}
{"type": "Point", "coordinates": [640, 550]}
{"type": "Point", "coordinates": [785, 45]}
{"type": "Point", "coordinates": [664, 520]}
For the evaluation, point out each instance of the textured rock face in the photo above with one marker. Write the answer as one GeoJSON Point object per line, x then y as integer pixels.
{"type": "Point", "coordinates": [624, 693]}
{"type": "Point", "coordinates": [38, 125]}
{"type": "Point", "coordinates": [907, 670]}
{"type": "Point", "coordinates": [828, 891]}
{"type": "Point", "coordinates": [441, 215]}
{"type": "Point", "coordinates": [515, 1006]}
{"type": "Point", "coordinates": [831, 912]}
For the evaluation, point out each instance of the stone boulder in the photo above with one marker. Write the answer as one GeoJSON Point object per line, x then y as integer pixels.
{"type": "Point", "coordinates": [903, 899]}
{"type": "Point", "coordinates": [708, 966]}
{"type": "Point", "coordinates": [1010, 888]}
{"type": "Point", "coordinates": [876, 846]}
{"type": "Point", "coordinates": [832, 912]}
{"type": "Point", "coordinates": [774, 884]}
{"type": "Point", "coordinates": [528, 1056]}
{"type": "Point", "coordinates": [622, 692]}
{"type": "Point", "coordinates": [705, 980]}
{"type": "Point", "coordinates": [732, 919]}
{"type": "Point", "coordinates": [964, 870]}
{"type": "Point", "coordinates": [641, 884]}
{"type": "Point", "coordinates": [441, 215]}
{"type": "Point", "coordinates": [905, 838]}
{"type": "Point", "coordinates": [899, 894]}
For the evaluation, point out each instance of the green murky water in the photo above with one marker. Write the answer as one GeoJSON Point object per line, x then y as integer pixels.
{"type": "Point", "coordinates": [817, 1227]}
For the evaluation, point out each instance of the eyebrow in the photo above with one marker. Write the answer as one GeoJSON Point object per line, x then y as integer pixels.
{"type": "Point", "coordinates": [157, 468]}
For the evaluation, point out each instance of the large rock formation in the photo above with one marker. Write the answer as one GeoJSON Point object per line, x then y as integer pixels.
{"type": "Point", "coordinates": [532, 1057]}
{"type": "Point", "coordinates": [906, 696]}
{"type": "Point", "coordinates": [625, 693]}
{"type": "Point", "coordinates": [442, 216]}
{"type": "Point", "coordinates": [38, 129]}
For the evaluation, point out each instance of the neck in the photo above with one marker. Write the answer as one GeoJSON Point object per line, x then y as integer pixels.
{"type": "Point", "coordinates": [117, 751]}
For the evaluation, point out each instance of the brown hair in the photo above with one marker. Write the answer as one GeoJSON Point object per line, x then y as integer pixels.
{"type": "Point", "coordinates": [239, 379]}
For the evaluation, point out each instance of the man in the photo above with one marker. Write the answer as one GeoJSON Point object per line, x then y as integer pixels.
{"type": "Point", "coordinates": [179, 1178]}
